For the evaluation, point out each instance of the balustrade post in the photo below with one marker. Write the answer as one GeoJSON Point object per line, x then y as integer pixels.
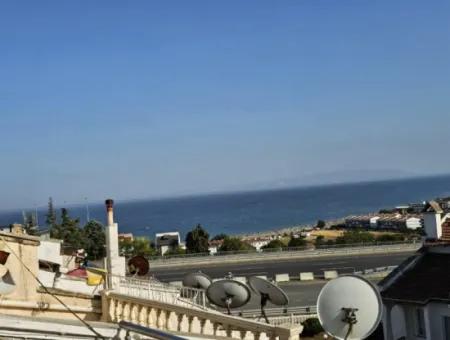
{"type": "Point", "coordinates": [126, 311]}
{"type": "Point", "coordinates": [256, 335]}
{"type": "Point", "coordinates": [111, 310]}
{"type": "Point", "coordinates": [229, 331]}
{"type": "Point", "coordinates": [143, 320]}
{"type": "Point", "coordinates": [134, 313]}
{"type": "Point", "coordinates": [161, 318]}
{"type": "Point", "coordinates": [119, 310]}
{"type": "Point", "coordinates": [152, 318]}
{"type": "Point", "coordinates": [242, 333]}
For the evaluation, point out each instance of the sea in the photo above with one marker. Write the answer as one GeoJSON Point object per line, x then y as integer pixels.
{"type": "Point", "coordinates": [257, 211]}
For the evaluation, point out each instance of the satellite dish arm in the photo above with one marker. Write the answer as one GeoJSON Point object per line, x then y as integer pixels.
{"type": "Point", "coordinates": [264, 299]}
{"type": "Point", "coordinates": [350, 319]}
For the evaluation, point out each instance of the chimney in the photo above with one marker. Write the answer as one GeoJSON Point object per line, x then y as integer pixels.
{"type": "Point", "coordinates": [109, 212]}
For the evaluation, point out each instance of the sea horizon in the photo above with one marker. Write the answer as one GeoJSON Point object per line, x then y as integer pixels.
{"type": "Point", "coordinates": [257, 210]}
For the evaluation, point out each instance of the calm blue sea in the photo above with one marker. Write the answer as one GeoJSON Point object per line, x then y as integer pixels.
{"type": "Point", "coordinates": [239, 213]}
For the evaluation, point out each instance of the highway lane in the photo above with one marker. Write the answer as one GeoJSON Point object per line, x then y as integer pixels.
{"type": "Point", "coordinates": [343, 264]}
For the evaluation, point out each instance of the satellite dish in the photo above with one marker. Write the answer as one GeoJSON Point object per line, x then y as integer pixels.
{"type": "Point", "coordinates": [3, 270]}
{"type": "Point", "coordinates": [7, 284]}
{"type": "Point", "coordinates": [268, 292]}
{"type": "Point", "coordinates": [349, 308]}
{"type": "Point", "coordinates": [228, 293]}
{"type": "Point", "coordinates": [3, 256]}
{"type": "Point", "coordinates": [138, 265]}
{"type": "Point", "coordinates": [197, 280]}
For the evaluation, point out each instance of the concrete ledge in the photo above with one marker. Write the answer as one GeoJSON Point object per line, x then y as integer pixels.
{"type": "Point", "coordinates": [282, 278]}
{"type": "Point", "coordinates": [176, 283]}
{"type": "Point", "coordinates": [306, 276]}
{"type": "Point", "coordinates": [330, 274]}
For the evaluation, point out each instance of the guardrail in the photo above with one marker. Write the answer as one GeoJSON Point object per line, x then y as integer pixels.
{"type": "Point", "coordinates": [289, 253]}
{"type": "Point", "coordinates": [278, 250]}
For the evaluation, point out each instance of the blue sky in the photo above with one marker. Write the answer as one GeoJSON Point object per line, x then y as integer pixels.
{"type": "Point", "coordinates": [147, 98]}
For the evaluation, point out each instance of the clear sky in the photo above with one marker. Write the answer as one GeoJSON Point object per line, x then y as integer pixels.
{"type": "Point", "coordinates": [135, 99]}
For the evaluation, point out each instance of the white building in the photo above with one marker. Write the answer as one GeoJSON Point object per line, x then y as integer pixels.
{"type": "Point", "coordinates": [167, 241]}
{"type": "Point", "coordinates": [416, 297]}
{"type": "Point", "coordinates": [435, 218]}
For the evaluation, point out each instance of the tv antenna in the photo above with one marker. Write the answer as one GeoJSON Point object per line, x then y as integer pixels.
{"type": "Point", "coordinates": [138, 265]}
{"type": "Point", "coordinates": [349, 308]}
{"type": "Point", "coordinates": [197, 280]}
{"type": "Point", "coordinates": [228, 293]}
{"type": "Point", "coordinates": [268, 292]}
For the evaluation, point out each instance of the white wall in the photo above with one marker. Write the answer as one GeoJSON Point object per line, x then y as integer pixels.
{"type": "Point", "coordinates": [50, 251]}
{"type": "Point", "coordinates": [432, 223]}
{"type": "Point", "coordinates": [404, 321]}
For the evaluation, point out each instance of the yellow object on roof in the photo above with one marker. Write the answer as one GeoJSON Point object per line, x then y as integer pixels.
{"type": "Point", "coordinates": [95, 276]}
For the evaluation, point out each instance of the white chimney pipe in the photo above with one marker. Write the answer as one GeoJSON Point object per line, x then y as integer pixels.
{"type": "Point", "coordinates": [109, 212]}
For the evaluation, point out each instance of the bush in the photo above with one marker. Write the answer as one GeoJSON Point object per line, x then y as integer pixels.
{"type": "Point", "coordinates": [297, 242]}
{"type": "Point", "coordinates": [311, 327]}
{"type": "Point", "coordinates": [320, 241]}
{"type": "Point", "coordinates": [274, 244]}
{"type": "Point", "coordinates": [390, 238]}
{"type": "Point", "coordinates": [234, 244]}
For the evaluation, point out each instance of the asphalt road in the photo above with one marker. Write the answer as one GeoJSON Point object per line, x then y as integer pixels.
{"type": "Point", "coordinates": [343, 264]}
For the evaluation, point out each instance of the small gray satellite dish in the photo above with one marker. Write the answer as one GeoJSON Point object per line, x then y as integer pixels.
{"type": "Point", "coordinates": [228, 293]}
{"type": "Point", "coordinates": [197, 280]}
{"type": "Point", "coordinates": [349, 308]}
{"type": "Point", "coordinates": [268, 292]}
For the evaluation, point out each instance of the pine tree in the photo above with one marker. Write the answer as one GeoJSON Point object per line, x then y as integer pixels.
{"type": "Point", "coordinates": [51, 215]}
{"type": "Point", "coordinates": [68, 230]}
{"type": "Point", "coordinates": [94, 240]}
{"type": "Point", "coordinates": [197, 240]}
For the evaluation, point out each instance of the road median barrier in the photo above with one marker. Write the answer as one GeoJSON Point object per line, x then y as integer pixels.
{"type": "Point", "coordinates": [282, 278]}
{"type": "Point", "coordinates": [330, 274]}
{"type": "Point", "coordinates": [307, 276]}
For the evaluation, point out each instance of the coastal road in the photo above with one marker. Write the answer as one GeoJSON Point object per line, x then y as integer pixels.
{"type": "Point", "coordinates": [343, 264]}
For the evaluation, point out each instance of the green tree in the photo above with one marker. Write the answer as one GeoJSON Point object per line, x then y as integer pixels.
{"type": "Point", "coordinates": [197, 240]}
{"type": "Point", "coordinates": [175, 251]}
{"type": "Point", "coordinates": [94, 240]}
{"type": "Point", "coordinates": [138, 246]}
{"type": "Point", "coordinates": [50, 217]}
{"type": "Point", "coordinates": [320, 224]}
{"type": "Point", "coordinates": [68, 230]}
{"type": "Point", "coordinates": [234, 244]}
{"type": "Point", "coordinates": [219, 237]}
{"type": "Point", "coordinates": [297, 242]}
{"type": "Point", "coordinates": [274, 244]}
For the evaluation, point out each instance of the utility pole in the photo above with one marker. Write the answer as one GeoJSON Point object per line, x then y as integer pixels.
{"type": "Point", "coordinates": [88, 218]}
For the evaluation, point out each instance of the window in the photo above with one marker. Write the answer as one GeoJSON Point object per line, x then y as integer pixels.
{"type": "Point", "coordinates": [420, 323]}
{"type": "Point", "coordinates": [446, 320]}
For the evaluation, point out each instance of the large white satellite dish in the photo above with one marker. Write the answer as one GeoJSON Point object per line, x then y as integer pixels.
{"type": "Point", "coordinates": [197, 280]}
{"type": "Point", "coordinates": [349, 308]}
{"type": "Point", "coordinates": [228, 293]}
{"type": "Point", "coordinates": [268, 292]}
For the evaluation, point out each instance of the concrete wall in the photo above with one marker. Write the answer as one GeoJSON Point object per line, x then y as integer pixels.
{"type": "Point", "coordinates": [50, 251]}
{"type": "Point", "coordinates": [432, 223]}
